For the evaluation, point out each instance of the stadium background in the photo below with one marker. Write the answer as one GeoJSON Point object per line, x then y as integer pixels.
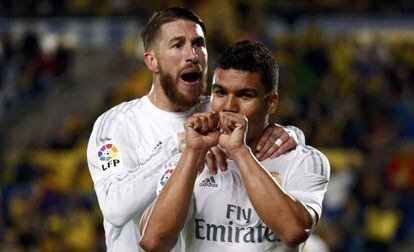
{"type": "Point", "coordinates": [347, 80]}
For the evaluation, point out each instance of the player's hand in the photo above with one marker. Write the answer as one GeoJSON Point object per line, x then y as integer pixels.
{"type": "Point", "coordinates": [233, 130]}
{"type": "Point", "coordinates": [216, 159]}
{"type": "Point", "coordinates": [274, 142]}
{"type": "Point", "coordinates": [201, 132]}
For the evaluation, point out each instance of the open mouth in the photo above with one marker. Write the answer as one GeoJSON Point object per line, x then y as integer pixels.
{"type": "Point", "coordinates": [190, 77]}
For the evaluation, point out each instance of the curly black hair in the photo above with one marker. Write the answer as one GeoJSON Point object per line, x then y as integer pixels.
{"type": "Point", "coordinates": [252, 56]}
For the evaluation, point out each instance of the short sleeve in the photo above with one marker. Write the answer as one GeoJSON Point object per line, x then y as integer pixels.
{"type": "Point", "coordinates": [308, 179]}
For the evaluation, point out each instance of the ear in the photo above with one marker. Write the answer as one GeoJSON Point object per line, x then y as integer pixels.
{"type": "Point", "coordinates": [273, 102]}
{"type": "Point", "coordinates": [151, 61]}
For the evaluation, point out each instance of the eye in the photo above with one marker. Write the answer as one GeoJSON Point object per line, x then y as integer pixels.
{"type": "Point", "coordinates": [199, 42]}
{"type": "Point", "coordinates": [219, 93]}
{"type": "Point", "coordinates": [247, 96]}
{"type": "Point", "coordinates": [176, 45]}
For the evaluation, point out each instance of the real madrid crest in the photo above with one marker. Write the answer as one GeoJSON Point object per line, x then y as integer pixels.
{"type": "Point", "coordinates": [275, 176]}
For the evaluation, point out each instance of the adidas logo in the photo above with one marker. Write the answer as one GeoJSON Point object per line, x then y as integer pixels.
{"type": "Point", "coordinates": [157, 146]}
{"type": "Point", "coordinates": [209, 182]}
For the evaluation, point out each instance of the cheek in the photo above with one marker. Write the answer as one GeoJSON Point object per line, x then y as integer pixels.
{"type": "Point", "coordinates": [249, 110]}
{"type": "Point", "coordinates": [255, 115]}
{"type": "Point", "coordinates": [170, 61]}
{"type": "Point", "coordinates": [216, 105]}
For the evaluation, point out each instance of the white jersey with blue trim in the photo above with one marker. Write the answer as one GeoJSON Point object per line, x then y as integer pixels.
{"type": "Point", "coordinates": [124, 162]}
{"type": "Point", "coordinates": [222, 218]}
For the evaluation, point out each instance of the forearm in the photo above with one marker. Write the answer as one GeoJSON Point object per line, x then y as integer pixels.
{"type": "Point", "coordinates": [283, 214]}
{"type": "Point", "coordinates": [169, 212]}
{"type": "Point", "coordinates": [125, 195]}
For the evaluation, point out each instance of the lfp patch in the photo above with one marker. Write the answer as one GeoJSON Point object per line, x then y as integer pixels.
{"type": "Point", "coordinates": [166, 176]}
{"type": "Point", "coordinates": [107, 152]}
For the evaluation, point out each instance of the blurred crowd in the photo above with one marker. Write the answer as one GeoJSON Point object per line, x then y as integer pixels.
{"type": "Point", "coordinates": [290, 9]}
{"type": "Point", "coordinates": [353, 100]}
{"type": "Point", "coordinates": [26, 70]}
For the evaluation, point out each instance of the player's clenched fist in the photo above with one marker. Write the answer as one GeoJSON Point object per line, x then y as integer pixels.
{"type": "Point", "coordinates": [201, 131]}
{"type": "Point", "coordinates": [233, 129]}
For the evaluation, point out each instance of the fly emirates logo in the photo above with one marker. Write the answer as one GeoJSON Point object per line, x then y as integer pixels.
{"type": "Point", "coordinates": [231, 232]}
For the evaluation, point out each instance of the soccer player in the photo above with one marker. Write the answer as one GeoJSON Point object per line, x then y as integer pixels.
{"type": "Point", "coordinates": [253, 206]}
{"type": "Point", "coordinates": [120, 147]}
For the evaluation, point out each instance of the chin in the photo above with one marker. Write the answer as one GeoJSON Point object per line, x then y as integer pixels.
{"type": "Point", "coordinates": [188, 101]}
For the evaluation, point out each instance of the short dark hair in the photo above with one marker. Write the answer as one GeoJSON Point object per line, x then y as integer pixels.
{"type": "Point", "coordinates": [165, 16]}
{"type": "Point", "coordinates": [252, 56]}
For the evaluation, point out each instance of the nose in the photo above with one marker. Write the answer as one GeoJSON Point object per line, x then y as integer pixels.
{"type": "Point", "coordinates": [231, 104]}
{"type": "Point", "coordinates": [192, 55]}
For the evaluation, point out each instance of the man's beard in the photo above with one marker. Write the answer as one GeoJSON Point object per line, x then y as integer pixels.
{"type": "Point", "coordinates": [169, 85]}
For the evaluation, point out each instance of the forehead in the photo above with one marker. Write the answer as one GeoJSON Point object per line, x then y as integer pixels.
{"type": "Point", "coordinates": [180, 28]}
{"type": "Point", "coordinates": [233, 79]}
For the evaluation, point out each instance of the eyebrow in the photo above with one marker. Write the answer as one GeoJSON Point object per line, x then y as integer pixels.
{"type": "Point", "coordinates": [181, 38]}
{"type": "Point", "coordinates": [174, 39]}
{"type": "Point", "coordinates": [216, 86]}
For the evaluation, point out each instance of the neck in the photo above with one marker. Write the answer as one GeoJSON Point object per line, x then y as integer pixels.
{"type": "Point", "coordinates": [157, 96]}
{"type": "Point", "coordinates": [253, 144]}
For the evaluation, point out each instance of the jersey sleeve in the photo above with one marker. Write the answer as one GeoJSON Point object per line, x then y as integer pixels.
{"type": "Point", "coordinates": [308, 179]}
{"type": "Point", "coordinates": [124, 184]}
{"type": "Point", "coordinates": [296, 133]}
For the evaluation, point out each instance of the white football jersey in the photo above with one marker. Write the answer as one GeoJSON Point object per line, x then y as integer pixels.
{"type": "Point", "coordinates": [222, 217]}
{"type": "Point", "coordinates": [123, 160]}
